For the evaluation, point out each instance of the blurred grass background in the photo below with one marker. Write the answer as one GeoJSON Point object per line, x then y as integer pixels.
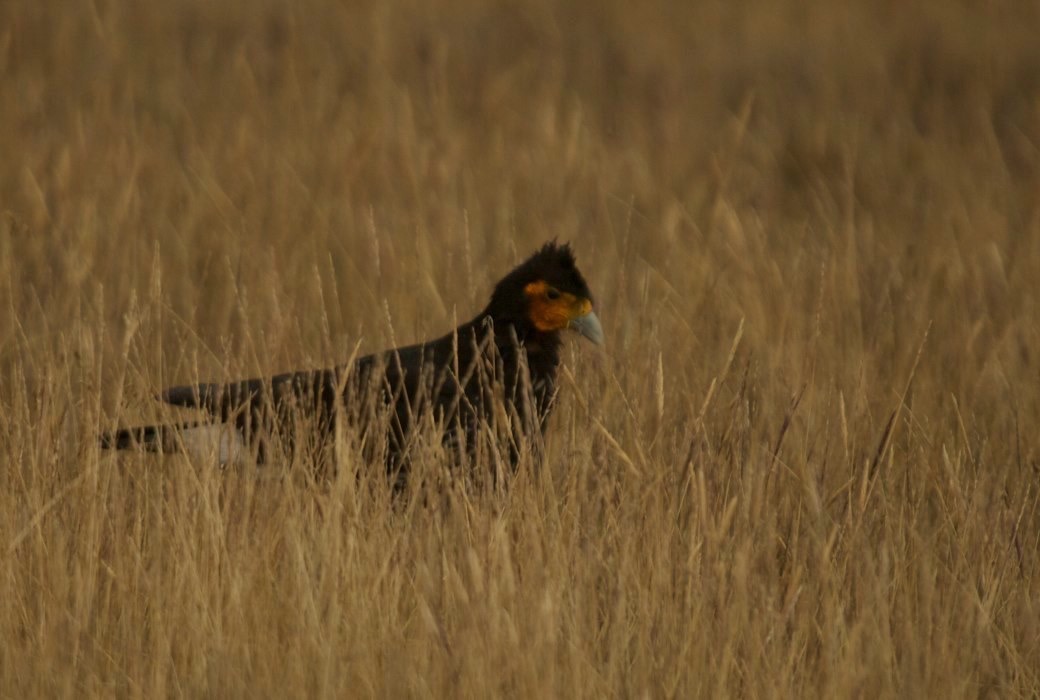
{"type": "Point", "coordinates": [839, 498]}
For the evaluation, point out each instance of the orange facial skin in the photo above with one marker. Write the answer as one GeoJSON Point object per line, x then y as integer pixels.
{"type": "Point", "coordinates": [548, 314]}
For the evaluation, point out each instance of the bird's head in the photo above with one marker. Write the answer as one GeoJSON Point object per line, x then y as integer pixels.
{"type": "Point", "coordinates": [546, 294]}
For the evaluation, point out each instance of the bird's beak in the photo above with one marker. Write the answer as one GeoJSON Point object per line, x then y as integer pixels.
{"type": "Point", "coordinates": [588, 325]}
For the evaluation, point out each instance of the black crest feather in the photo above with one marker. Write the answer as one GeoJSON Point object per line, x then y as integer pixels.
{"type": "Point", "coordinates": [553, 263]}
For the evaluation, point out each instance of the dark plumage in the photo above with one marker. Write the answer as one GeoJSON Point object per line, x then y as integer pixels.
{"type": "Point", "coordinates": [497, 370]}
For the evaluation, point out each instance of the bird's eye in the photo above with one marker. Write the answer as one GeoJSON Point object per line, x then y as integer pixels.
{"type": "Point", "coordinates": [552, 294]}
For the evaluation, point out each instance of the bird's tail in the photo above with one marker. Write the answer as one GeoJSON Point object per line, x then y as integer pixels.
{"type": "Point", "coordinates": [197, 438]}
{"type": "Point", "coordinates": [150, 438]}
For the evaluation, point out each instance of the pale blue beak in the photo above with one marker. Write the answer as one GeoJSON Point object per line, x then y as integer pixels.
{"type": "Point", "coordinates": [588, 325]}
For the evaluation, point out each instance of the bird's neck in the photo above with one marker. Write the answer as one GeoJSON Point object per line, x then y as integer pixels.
{"type": "Point", "coordinates": [515, 336]}
{"type": "Point", "coordinates": [519, 346]}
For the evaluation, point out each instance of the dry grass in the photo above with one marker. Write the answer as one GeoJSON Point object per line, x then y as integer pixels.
{"type": "Point", "coordinates": [839, 499]}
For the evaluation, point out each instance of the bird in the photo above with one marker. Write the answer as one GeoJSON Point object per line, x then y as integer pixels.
{"type": "Point", "coordinates": [495, 374]}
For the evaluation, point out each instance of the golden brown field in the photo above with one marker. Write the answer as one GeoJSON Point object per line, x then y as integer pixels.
{"type": "Point", "coordinates": [806, 464]}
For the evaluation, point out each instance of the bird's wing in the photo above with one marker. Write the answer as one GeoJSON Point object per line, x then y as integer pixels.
{"type": "Point", "coordinates": [315, 387]}
{"type": "Point", "coordinates": [394, 373]}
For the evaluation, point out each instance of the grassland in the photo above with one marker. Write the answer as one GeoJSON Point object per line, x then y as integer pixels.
{"type": "Point", "coordinates": [807, 463]}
